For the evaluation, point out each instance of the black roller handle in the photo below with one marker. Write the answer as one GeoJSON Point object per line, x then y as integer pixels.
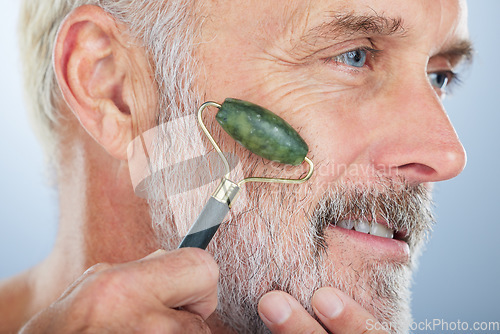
{"type": "Point", "coordinates": [205, 226]}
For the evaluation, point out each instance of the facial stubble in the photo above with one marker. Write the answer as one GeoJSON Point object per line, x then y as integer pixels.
{"type": "Point", "coordinates": [276, 241]}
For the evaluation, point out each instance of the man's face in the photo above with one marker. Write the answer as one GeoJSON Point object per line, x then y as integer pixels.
{"type": "Point", "coordinates": [374, 107]}
{"type": "Point", "coordinates": [362, 82]}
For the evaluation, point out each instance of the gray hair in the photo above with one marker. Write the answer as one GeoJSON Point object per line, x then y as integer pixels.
{"type": "Point", "coordinates": [166, 29]}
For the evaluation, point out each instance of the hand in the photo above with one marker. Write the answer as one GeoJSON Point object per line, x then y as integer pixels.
{"type": "Point", "coordinates": [164, 292]}
{"type": "Point", "coordinates": [338, 313]}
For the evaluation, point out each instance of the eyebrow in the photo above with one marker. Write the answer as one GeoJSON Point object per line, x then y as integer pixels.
{"type": "Point", "coordinates": [349, 25]}
{"type": "Point", "coordinates": [462, 50]}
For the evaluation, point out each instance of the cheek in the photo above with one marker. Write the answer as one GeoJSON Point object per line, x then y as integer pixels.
{"type": "Point", "coordinates": [335, 125]}
{"type": "Point", "coordinates": [338, 127]}
{"type": "Point", "coordinates": [332, 118]}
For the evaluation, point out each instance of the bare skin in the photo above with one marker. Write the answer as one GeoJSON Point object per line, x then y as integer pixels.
{"type": "Point", "coordinates": [406, 132]}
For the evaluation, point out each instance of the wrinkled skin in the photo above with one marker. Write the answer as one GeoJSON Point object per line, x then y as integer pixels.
{"type": "Point", "coordinates": [384, 118]}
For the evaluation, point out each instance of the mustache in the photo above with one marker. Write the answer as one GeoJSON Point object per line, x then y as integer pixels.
{"type": "Point", "coordinates": [406, 208]}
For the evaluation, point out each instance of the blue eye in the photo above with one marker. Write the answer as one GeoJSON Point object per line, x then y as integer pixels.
{"type": "Point", "coordinates": [439, 80]}
{"type": "Point", "coordinates": [355, 58]}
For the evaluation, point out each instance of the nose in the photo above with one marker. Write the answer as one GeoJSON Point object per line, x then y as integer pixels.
{"type": "Point", "coordinates": [416, 138]}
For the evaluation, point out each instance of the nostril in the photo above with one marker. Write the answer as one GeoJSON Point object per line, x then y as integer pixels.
{"type": "Point", "coordinates": [420, 156]}
{"type": "Point", "coordinates": [426, 170]}
{"type": "Point", "coordinates": [417, 172]}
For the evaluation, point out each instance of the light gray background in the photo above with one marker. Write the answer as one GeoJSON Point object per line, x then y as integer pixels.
{"type": "Point", "coordinates": [459, 275]}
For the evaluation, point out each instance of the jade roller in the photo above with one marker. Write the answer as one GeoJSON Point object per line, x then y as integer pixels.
{"type": "Point", "coordinates": [261, 132]}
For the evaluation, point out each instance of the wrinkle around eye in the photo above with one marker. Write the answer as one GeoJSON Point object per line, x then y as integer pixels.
{"type": "Point", "coordinates": [299, 89]}
{"type": "Point", "coordinates": [291, 79]}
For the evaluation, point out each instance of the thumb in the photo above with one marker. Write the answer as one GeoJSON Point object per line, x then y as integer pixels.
{"type": "Point", "coordinates": [342, 315]}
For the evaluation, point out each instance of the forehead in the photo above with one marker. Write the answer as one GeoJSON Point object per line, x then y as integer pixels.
{"type": "Point", "coordinates": [437, 22]}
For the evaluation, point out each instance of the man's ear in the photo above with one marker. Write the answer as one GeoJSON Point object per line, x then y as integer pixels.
{"type": "Point", "coordinates": [92, 66]}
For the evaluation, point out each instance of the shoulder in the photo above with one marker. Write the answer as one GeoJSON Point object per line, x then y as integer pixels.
{"type": "Point", "coordinates": [16, 294]}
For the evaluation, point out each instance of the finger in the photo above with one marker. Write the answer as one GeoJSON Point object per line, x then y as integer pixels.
{"type": "Point", "coordinates": [89, 272]}
{"type": "Point", "coordinates": [342, 315]}
{"type": "Point", "coordinates": [156, 253]}
{"type": "Point", "coordinates": [283, 314]}
{"type": "Point", "coordinates": [185, 277]}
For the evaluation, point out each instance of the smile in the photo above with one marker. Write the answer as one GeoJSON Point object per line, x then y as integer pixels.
{"type": "Point", "coordinates": [375, 239]}
{"type": "Point", "coordinates": [364, 226]}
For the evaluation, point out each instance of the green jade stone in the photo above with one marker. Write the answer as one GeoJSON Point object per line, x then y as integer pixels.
{"type": "Point", "coordinates": [262, 132]}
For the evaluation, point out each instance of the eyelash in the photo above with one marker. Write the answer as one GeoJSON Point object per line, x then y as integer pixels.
{"type": "Point", "coordinates": [454, 81]}
{"type": "Point", "coordinates": [370, 55]}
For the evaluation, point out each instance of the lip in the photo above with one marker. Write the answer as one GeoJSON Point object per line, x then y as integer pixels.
{"type": "Point", "coordinates": [399, 235]}
{"type": "Point", "coordinates": [372, 246]}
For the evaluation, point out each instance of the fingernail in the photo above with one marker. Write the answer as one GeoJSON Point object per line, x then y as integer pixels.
{"type": "Point", "coordinates": [275, 308]}
{"type": "Point", "coordinates": [326, 302]}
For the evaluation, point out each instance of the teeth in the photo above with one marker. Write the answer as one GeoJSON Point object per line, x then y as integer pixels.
{"type": "Point", "coordinates": [348, 224]}
{"type": "Point", "coordinates": [381, 231]}
{"type": "Point", "coordinates": [365, 227]}
{"type": "Point", "coordinates": [362, 226]}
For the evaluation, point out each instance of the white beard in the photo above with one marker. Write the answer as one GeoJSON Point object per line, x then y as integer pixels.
{"type": "Point", "coordinates": [274, 239]}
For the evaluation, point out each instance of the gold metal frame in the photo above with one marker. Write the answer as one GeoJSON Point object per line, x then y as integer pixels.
{"type": "Point", "coordinates": [226, 164]}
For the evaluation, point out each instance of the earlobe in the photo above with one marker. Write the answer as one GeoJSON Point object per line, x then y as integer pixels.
{"type": "Point", "coordinates": [91, 71]}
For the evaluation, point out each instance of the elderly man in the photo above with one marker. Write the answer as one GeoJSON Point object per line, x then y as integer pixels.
{"type": "Point", "coordinates": [362, 82]}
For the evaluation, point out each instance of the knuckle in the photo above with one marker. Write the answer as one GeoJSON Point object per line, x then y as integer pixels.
{"type": "Point", "coordinates": [91, 272]}
{"type": "Point", "coordinates": [106, 279]}
{"type": "Point", "coordinates": [102, 290]}
{"type": "Point", "coordinates": [98, 267]}
{"type": "Point", "coordinates": [107, 283]}
{"type": "Point", "coordinates": [94, 301]}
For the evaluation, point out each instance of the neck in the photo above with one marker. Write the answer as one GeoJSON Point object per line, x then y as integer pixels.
{"type": "Point", "coordinates": [101, 219]}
